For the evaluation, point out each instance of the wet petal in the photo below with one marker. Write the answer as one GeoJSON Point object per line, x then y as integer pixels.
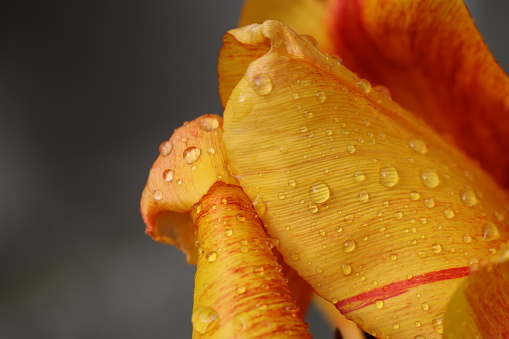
{"type": "Point", "coordinates": [240, 289]}
{"type": "Point", "coordinates": [480, 307]}
{"type": "Point", "coordinates": [190, 162]}
{"type": "Point", "coordinates": [428, 53]}
{"type": "Point", "coordinates": [386, 217]}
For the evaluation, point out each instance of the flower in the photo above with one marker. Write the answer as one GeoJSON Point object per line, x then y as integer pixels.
{"type": "Point", "coordinates": [369, 205]}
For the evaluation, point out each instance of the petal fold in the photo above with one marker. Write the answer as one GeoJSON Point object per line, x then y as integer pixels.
{"type": "Point", "coordinates": [379, 214]}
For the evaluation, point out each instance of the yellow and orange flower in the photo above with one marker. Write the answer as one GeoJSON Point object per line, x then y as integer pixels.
{"type": "Point", "coordinates": [317, 182]}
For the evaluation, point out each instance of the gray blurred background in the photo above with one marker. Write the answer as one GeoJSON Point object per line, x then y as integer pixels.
{"type": "Point", "coordinates": [88, 90]}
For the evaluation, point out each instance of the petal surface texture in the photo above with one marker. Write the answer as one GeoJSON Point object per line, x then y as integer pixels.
{"type": "Point", "coordinates": [480, 307]}
{"type": "Point", "coordinates": [240, 290]}
{"type": "Point", "coordinates": [190, 162]}
{"type": "Point", "coordinates": [379, 214]}
{"type": "Point", "coordinates": [431, 57]}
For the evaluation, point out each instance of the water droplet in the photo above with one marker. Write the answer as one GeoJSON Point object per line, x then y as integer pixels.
{"type": "Point", "coordinates": [419, 337]}
{"type": "Point", "coordinates": [320, 96]}
{"type": "Point", "coordinates": [346, 269]}
{"type": "Point", "coordinates": [364, 85]}
{"type": "Point", "coordinates": [429, 202]}
{"type": "Point", "coordinates": [429, 178]}
{"type": "Point", "coordinates": [425, 306]}
{"type": "Point", "coordinates": [394, 256]}
{"type": "Point", "coordinates": [388, 176]}
{"type": "Point", "coordinates": [438, 323]}
{"type": "Point", "coordinates": [204, 319]}
{"type": "Point", "coordinates": [259, 270]}
{"type": "Point", "coordinates": [319, 192]}
{"type": "Point", "coordinates": [448, 213]}
{"type": "Point", "coordinates": [350, 149]}
{"type": "Point", "coordinates": [281, 196]}
{"type": "Point", "coordinates": [436, 248]}
{"type": "Point", "coordinates": [325, 170]}
{"type": "Point", "coordinates": [322, 232]}
{"type": "Point", "coordinates": [303, 129]}
{"type": "Point", "coordinates": [379, 304]}
{"type": "Point", "coordinates": [260, 206]}
{"type": "Point", "coordinates": [319, 270]}
{"type": "Point", "coordinates": [211, 256]}
{"type": "Point", "coordinates": [363, 196]}
{"type": "Point", "coordinates": [409, 277]}
{"type": "Point", "coordinates": [240, 218]}
{"type": "Point", "coordinates": [418, 146]}
{"type": "Point", "coordinates": [209, 123]}
{"type": "Point", "coordinates": [398, 215]}
{"type": "Point", "coordinates": [295, 96]}
{"type": "Point", "coordinates": [241, 290]}
{"type": "Point", "coordinates": [473, 261]}
{"type": "Point", "coordinates": [468, 197]}
{"type": "Point", "coordinates": [489, 231]}
{"type": "Point", "coordinates": [228, 232]}
{"type": "Point", "coordinates": [358, 176]}
{"type": "Point", "coordinates": [396, 326]}
{"type": "Point", "coordinates": [415, 195]}
{"type": "Point", "coordinates": [211, 151]}
{"type": "Point", "coordinates": [349, 245]}
{"type": "Point", "coordinates": [157, 194]}
{"type": "Point", "coordinates": [191, 154]}
{"type": "Point", "coordinates": [422, 254]}
{"type": "Point", "coordinates": [295, 256]}
{"type": "Point", "coordinates": [165, 148]}
{"type": "Point", "coordinates": [308, 114]}
{"type": "Point", "coordinates": [261, 84]}
{"type": "Point", "coordinates": [291, 182]}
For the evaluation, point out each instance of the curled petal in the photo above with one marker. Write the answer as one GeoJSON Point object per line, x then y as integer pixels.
{"type": "Point", "coordinates": [190, 162]}
{"type": "Point", "coordinates": [240, 290]}
{"type": "Point", "coordinates": [385, 216]}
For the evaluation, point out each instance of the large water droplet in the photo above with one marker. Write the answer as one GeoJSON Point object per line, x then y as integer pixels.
{"type": "Point", "coordinates": [261, 84]}
{"type": "Point", "coordinates": [165, 148]}
{"type": "Point", "coordinates": [363, 196]}
{"type": "Point", "coordinates": [418, 146]}
{"type": "Point", "coordinates": [364, 85]}
{"type": "Point", "coordinates": [157, 194]}
{"type": "Point", "coordinates": [388, 176]}
{"type": "Point", "coordinates": [349, 245]}
{"type": "Point", "coordinates": [209, 123]}
{"type": "Point", "coordinates": [319, 192]}
{"type": "Point", "coordinates": [358, 176]}
{"type": "Point", "coordinates": [191, 154]}
{"type": "Point", "coordinates": [168, 175]}
{"type": "Point", "coordinates": [379, 304]}
{"type": "Point", "coordinates": [429, 202]}
{"type": "Point", "coordinates": [211, 256]}
{"type": "Point", "coordinates": [438, 323]}
{"type": "Point", "coordinates": [489, 231]}
{"type": "Point", "coordinates": [429, 178]}
{"type": "Point", "coordinates": [204, 319]}
{"type": "Point", "coordinates": [346, 269]}
{"type": "Point", "coordinates": [320, 96]}
{"type": "Point", "coordinates": [436, 248]}
{"type": "Point", "coordinates": [468, 197]}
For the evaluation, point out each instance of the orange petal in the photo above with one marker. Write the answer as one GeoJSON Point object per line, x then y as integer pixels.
{"type": "Point", "coordinates": [190, 162]}
{"type": "Point", "coordinates": [480, 307]}
{"type": "Point", "coordinates": [436, 64]}
{"type": "Point", "coordinates": [428, 53]}
{"type": "Point", "coordinates": [386, 217]}
{"type": "Point", "coordinates": [348, 328]}
{"type": "Point", "coordinates": [240, 290]}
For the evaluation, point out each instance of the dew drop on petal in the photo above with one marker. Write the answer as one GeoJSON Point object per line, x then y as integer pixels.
{"type": "Point", "coordinates": [349, 245]}
{"type": "Point", "coordinates": [468, 197]}
{"type": "Point", "coordinates": [157, 194]}
{"type": "Point", "coordinates": [429, 202]}
{"type": "Point", "coordinates": [436, 248]}
{"type": "Point", "coordinates": [320, 96]}
{"type": "Point", "coordinates": [211, 256]}
{"type": "Point", "coordinates": [350, 149]}
{"type": "Point", "coordinates": [261, 84]}
{"type": "Point", "coordinates": [388, 176]}
{"type": "Point", "coordinates": [490, 231]}
{"type": "Point", "coordinates": [448, 213]}
{"type": "Point", "coordinates": [379, 304]}
{"type": "Point", "coordinates": [319, 192]}
{"type": "Point", "coordinates": [364, 85]}
{"type": "Point", "coordinates": [204, 319]}
{"type": "Point", "coordinates": [165, 148]}
{"type": "Point", "coordinates": [168, 175]}
{"type": "Point", "coordinates": [346, 269]}
{"type": "Point", "coordinates": [429, 178]}
{"type": "Point", "coordinates": [358, 176]}
{"type": "Point", "coordinates": [414, 195]}
{"type": "Point", "coordinates": [209, 123]}
{"type": "Point", "coordinates": [363, 196]}
{"type": "Point", "coordinates": [418, 146]}
{"type": "Point", "coordinates": [191, 154]}
{"type": "Point", "coordinates": [438, 323]}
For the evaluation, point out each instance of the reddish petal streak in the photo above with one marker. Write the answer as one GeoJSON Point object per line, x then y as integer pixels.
{"type": "Point", "coordinates": [399, 287]}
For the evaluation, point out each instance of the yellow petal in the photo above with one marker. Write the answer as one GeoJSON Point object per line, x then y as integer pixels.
{"type": "Point", "coordinates": [480, 306]}
{"type": "Point", "coordinates": [240, 290]}
{"type": "Point", "coordinates": [387, 218]}
{"type": "Point", "coordinates": [190, 162]}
